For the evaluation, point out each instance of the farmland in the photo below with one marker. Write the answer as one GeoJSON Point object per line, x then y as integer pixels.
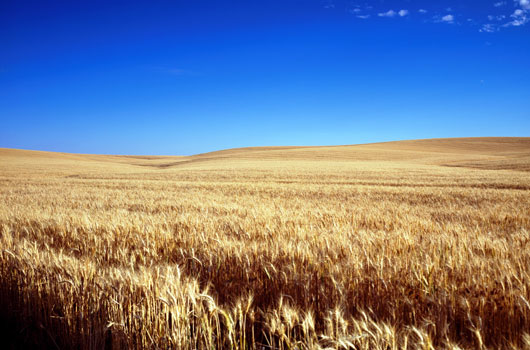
{"type": "Point", "coordinates": [402, 245]}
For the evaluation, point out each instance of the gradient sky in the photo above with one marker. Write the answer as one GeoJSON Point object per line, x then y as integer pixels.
{"type": "Point", "coordinates": [183, 77]}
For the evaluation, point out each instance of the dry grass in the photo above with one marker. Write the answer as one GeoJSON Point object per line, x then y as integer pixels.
{"type": "Point", "coordinates": [406, 245]}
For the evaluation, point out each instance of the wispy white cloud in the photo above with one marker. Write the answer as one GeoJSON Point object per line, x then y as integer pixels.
{"type": "Point", "coordinates": [520, 18]}
{"type": "Point", "coordinates": [516, 23]}
{"type": "Point", "coordinates": [448, 18]}
{"type": "Point", "coordinates": [501, 15]}
{"type": "Point", "coordinates": [525, 4]}
{"type": "Point", "coordinates": [329, 4]}
{"type": "Point", "coordinates": [488, 28]}
{"type": "Point", "coordinates": [392, 13]}
{"type": "Point", "coordinates": [496, 18]}
{"type": "Point", "coordinates": [178, 71]}
{"type": "Point", "coordinates": [173, 71]}
{"type": "Point", "coordinates": [389, 13]}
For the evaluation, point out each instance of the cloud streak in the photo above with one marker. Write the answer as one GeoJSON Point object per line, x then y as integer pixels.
{"type": "Point", "coordinates": [448, 18]}
{"type": "Point", "coordinates": [392, 13]}
{"type": "Point", "coordinates": [389, 13]}
{"type": "Point", "coordinates": [520, 17]}
{"type": "Point", "coordinates": [525, 4]}
{"type": "Point", "coordinates": [173, 71]}
{"type": "Point", "coordinates": [504, 13]}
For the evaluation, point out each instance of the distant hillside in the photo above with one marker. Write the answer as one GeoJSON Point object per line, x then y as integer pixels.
{"type": "Point", "coordinates": [510, 153]}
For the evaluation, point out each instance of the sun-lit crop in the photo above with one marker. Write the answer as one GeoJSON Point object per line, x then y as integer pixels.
{"type": "Point", "coordinates": [307, 248]}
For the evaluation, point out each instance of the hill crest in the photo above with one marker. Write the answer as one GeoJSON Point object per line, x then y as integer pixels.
{"type": "Point", "coordinates": [512, 153]}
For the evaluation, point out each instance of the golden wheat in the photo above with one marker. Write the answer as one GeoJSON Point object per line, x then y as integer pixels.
{"type": "Point", "coordinates": [403, 247]}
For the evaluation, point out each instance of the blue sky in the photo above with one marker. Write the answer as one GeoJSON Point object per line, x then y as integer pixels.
{"type": "Point", "coordinates": [183, 77]}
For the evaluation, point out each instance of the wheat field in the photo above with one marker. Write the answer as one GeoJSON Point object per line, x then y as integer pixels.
{"type": "Point", "coordinates": [403, 245]}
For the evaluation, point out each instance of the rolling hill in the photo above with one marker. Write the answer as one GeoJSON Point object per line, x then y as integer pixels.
{"type": "Point", "coordinates": [499, 153]}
